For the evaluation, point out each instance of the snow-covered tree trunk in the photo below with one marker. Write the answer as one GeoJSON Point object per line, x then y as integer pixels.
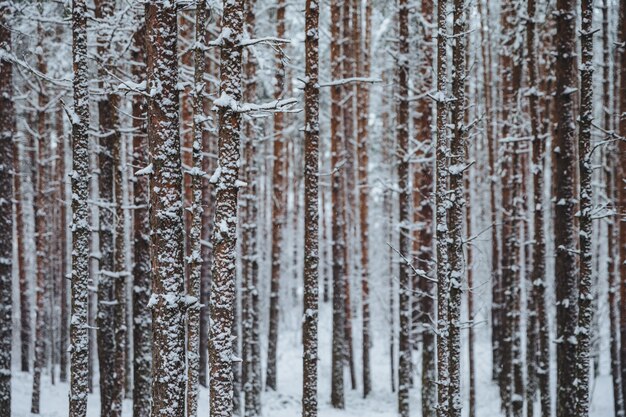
{"type": "Point", "coordinates": [441, 224]}
{"type": "Point", "coordinates": [195, 259]}
{"type": "Point", "coordinates": [166, 213]}
{"type": "Point", "coordinates": [279, 204]}
{"type": "Point", "coordinates": [363, 58]}
{"type": "Point", "coordinates": [251, 342]}
{"type": "Point", "coordinates": [610, 171]}
{"type": "Point", "coordinates": [337, 213]}
{"type": "Point", "coordinates": [221, 355]}
{"type": "Point", "coordinates": [79, 339]}
{"type": "Point", "coordinates": [42, 210]}
{"type": "Point", "coordinates": [311, 211]}
{"type": "Point", "coordinates": [620, 96]}
{"type": "Point", "coordinates": [456, 197]}
{"type": "Point", "coordinates": [585, 296]}
{"type": "Point", "coordinates": [402, 155]}
{"type": "Point", "coordinates": [540, 364]}
{"type": "Point", "coordinates": [566, 271]}
{"type": "Point", "coordinates": [142, 320]}
{"type": "Point", "coordinates": [7, 172]}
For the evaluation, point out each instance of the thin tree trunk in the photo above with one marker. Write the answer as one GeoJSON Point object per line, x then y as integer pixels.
{"type": "Point", "coordinates": [279, 202]}
{"type": "Point", "coordinates": [401, 154]}
{"type": "Point", "coordinates": [441, 190]}
{"type": "Point", "coordinates": [9, 174]}
{"type": "Point", "coordinates": [166, 214]}
{"type": "Point", "coordinates": [311, 212]}
{"type": "Point", "coordinates": [223, 294]}
{"type": "Point", "coordinates": [142, 321]}
{"type": "Point", "coordinates": [337, 213]}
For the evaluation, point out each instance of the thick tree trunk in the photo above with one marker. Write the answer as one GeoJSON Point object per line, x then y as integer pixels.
{"type": "Point", "coordinates": [566, 271]}
{"type": "Point", "coordinates": [166, 214]}
{"type": "Point", "coordinates": [79, 339]}
{"type": "Point", "coordinates": [8, 174]}
{"type": "Point", "coordinates": [221, 354]}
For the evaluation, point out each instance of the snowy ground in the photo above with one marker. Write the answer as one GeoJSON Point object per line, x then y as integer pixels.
{"type": "Point", "coordinates": [286, 402]}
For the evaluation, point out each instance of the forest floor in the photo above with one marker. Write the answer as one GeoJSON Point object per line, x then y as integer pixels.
{"type": "Point", "coordinates": [286, 401]}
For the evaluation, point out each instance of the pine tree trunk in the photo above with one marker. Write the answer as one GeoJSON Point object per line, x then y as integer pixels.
{"type": "Point", "coordinates": [362, 58]}
{"type": "Point", "coordinates": [8, 175]}
{"type": "Point", "coordinates": [166, 214]}
{"type": "Point", "coordinates": [441, 226]}
{"type": "Point", "coordinates": [456, 195]}
{"type": "Point", "coordinates": [311, 212]}
{"type": "Point", "coordinates": [142, 320]}
{"type": "Point", "coordinates": [279, 202]}
{"type": "Point", "coordinates": [195, 259]}
{"type": "Point", "coordinates": [79, 339]}
{"type": "Point", "coordinates": [337, 213]}
{"type": "Point", "coordinates": [402, 152]}
{"type": "Point", "coordinates": [41, 239]}
{"type": "Point", "coordinates": [585, 296]}
{"type": "Point", "coordinates": [564, 226]}
{"type": "Point", "coordinates": [221, 354]}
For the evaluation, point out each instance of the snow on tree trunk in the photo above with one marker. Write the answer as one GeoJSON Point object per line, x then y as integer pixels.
{"type": "Point", "coordinates": [456, 197]}
{"type": "Point", "coordinates": [441, 224]}
{"type": "Point", "coordinates": [402, 155]}
{"type": "Point", "coordinates": [166, 214]}
{"type": "Point", "coordinates": [79, 339]}
{"type": "Point", "coordinates": [195, 259]}
{"type": "Point", "coordinates": [620, 94]}
{"type": "Point", "coordinates": [585, 220]}
{"type": "Point", "coordinates": [250, 252]}
{"type": "Point", "coordinates": [7, 172]}
{"type": "Point", "coordinates": [221, 355]}
{"type": "Point", "coordinates": [363, 58]}
{"type": "Point", "coordinates": [42, 237]}
{"type": "Point", "coordinates": [337, 213]}
{"type": "Point", "coordinates": [566, 271]}
{"type": "Point", "coordinates": [142, 321]}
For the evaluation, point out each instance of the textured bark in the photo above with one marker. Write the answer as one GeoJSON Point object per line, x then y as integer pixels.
{"type": "Point", "coordinates": [142, 321]}
{"type": "Point", "coordinates": [540, 363]}
{"type": "Point", "coordinates": [62, 246]}
{"type": "Point", "coordinates": [223, 291]}
{"type": "Point", "coordinates": [566, 271]}
{"type": "Point", "coordinates": [585, 293]}
{"type": "Point", "coordinates": [620, 96]}
{"type": "Point", "coordinates": [250, 251]}
{"type": "Point", "coordinates": [311, 212]}
{"type": "Point", "coordinates": [195, 234]}
{"type": "Point", "coordinates": [79, 340]}
{"type": "Point", "coordinates": [109, 136]}
{"type": "Point", "coordinates": [363, 57]}
{"type": "Point", "coordinates": [610, 168]}
{"type": "Point", "coordinates": [279, 203]}
{"type": "Point", "coordinates": [456, 195]}
{"type": "Point", "coordinates": [41, 231]}
{"type": "Point", "coordinates": [402, 152]}
{"type": "Point", "coordinates": [337, 214]}
{"type": "Point", "coordinates": [166, 214]}
{"type": "Point", "coordinates": [8, 174]}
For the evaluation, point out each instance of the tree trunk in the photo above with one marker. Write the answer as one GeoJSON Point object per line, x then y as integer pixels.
{"type": "Point", "coordinates": [142, 321]}
{"type": "Point", "coordinates": [225, 237]}
{"type": "Point", "coordinates": [311, 212]}
{"type": "Point", "coordinates": [166, 214]}
{"type": "Point", "coordinates": [564, 226]}
{"type": "Point", "coordinates": [8, 175]}
{"type": "Point", "coordinates": [279, 202]}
